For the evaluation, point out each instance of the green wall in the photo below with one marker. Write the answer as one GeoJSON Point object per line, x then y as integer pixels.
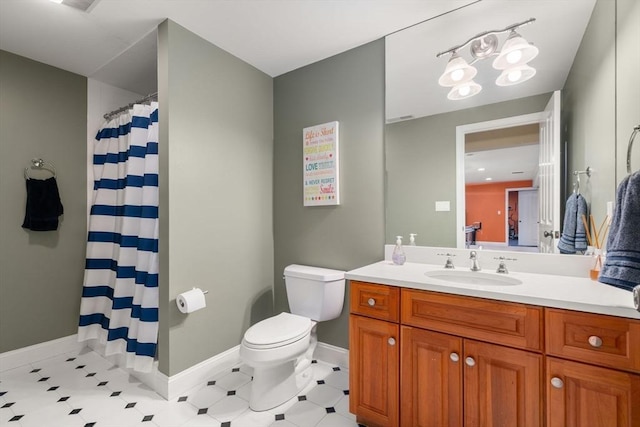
{"type": "Point", "coordinates": [43, 113]}
{"type": "Point", "coordinates": [589, 110]}
{"type": "Point", "coordinates": [348, 88]}
{"type": "Point", "coordinates": [216, 216]}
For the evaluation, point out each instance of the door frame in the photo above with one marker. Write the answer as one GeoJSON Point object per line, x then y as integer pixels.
{"type": "Point", "coordinates": [461, 132]}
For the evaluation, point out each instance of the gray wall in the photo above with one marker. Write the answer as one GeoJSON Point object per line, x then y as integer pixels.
{"type": "Point", "coordinates": [601, 103]}
{"type": "Point", "coordinates": [589, 110]}
{"type": "Point", "coordinates": [348, 88]}
{"type": "Point", "coordinates": [421, 169]}
{"type": "Point", "coordinates": [216, 216]}
{"type": "Point", "coordinates": [43, 113]}
{"type": "Point", "coordinates": [628, 83]}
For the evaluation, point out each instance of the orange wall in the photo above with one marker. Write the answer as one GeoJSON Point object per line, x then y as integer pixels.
{"type": "Point", "coordinates": [483, 202]}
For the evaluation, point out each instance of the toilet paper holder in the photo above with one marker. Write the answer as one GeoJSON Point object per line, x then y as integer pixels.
{"type": "Point", "coordinates": [181, 303]}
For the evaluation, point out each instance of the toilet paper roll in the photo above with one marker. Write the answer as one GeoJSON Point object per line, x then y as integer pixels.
{"type": "Point", "coordinates": [190, 301]}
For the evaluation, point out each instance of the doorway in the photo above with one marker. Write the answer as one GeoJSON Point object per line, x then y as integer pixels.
{"type": "Point", "coordinates": [463, 160]}
{"type": "Point", "coordinates": [521, 205]}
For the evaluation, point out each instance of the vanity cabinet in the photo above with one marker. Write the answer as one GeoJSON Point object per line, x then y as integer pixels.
{"type": "Point", "coordinates": [592, 370]}
{"type": "Point", "coordinates": [423, 358]}
{"type": "Point", "coordinates": [374, 354]}
{"type": "Point", "coordinates": [450, 378]}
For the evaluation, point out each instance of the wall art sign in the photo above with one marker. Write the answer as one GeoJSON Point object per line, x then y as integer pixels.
{"type": "Point", "coordinates": [320, 165]}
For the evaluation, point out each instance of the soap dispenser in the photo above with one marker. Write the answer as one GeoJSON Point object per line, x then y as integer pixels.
{"type": "Point", "coordinates": [412, 239]}
{"type": "Point", "coordinates": [398, 256]}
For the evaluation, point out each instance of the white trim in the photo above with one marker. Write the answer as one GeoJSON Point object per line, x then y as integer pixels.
{"type": "Point", "coordinates": [197, 374]}
{"type": "Point", "coordinates": [37, 352]}
{"type": "Point", "coordinates": [172, 387]}
{"type": "Point", "coordinates": [331, 354]}
{"type": "Point", "coordinates": [461, 131]}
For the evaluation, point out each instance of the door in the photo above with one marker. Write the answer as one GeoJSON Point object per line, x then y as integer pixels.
{"type": "Point", "coordinates": [374, 367]}
{"type": "Point", "coordinates": [528, 217]}
{"type": "Point", "coordinates": [431, 378]}
{"type": "Point", "coordinates": [549, 176]}
{"type": "Point", "coordinates": [584, 395]}
{"type": "Point", "coordinates": [502, 386]}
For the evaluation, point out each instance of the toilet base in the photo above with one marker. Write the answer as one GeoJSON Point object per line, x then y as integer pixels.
{"type": "Point", "coordinates": [273, 386]}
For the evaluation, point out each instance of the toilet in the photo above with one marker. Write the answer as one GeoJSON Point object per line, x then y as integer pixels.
{"type": "Point", "coordinates": [280, 348]}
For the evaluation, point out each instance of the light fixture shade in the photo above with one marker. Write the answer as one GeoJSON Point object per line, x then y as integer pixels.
{"type": "Point", "coordinates": [515, 75]}
{"type": "Point", "coordinates": [516, 51]}
{"type": "Point", "coordinates": [457, 71]}
{"type": "Point", "coordinates": [464, 90]}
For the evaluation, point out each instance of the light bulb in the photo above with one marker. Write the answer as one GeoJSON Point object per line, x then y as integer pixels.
{"type": "Point", "coordinates": [464, 90]}
{"type": "Point", "coordinates": [514, 57]}
{"type": "Point", "coordinates": [457, 75]}
{"type": "Point", "coordinates": [514, 75]}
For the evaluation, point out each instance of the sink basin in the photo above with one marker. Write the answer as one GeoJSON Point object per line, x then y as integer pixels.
{"type": "Point", "coordinates": [463, 277]}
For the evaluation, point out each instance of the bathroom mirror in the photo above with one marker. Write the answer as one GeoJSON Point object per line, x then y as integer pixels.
{"type": "Point", "coordinates": [423, 169]}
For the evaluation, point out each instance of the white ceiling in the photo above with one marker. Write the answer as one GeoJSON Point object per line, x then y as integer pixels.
{"type": "Point", "coordinates": [504, 164]}
{"type": "Point", "coordinates": [275, 36]}
{"type": "Point", "coordinates": [115, 41]}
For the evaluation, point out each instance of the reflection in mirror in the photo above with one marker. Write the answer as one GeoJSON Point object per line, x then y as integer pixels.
{"type": "Point", "coordinates": [501, 201]}
{"type": "Point", "coordinates": [576, 43]}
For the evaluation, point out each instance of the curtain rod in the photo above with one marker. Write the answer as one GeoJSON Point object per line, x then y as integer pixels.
{"type": "Point", "coordinates": [151, 96]}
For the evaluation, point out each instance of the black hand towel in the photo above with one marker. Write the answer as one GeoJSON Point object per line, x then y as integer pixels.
{"type": "Point", "coordinates": [43, 205]}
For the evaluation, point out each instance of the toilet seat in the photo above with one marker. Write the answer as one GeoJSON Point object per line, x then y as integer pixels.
{"type": "Point", "coordinates": [277, 331]}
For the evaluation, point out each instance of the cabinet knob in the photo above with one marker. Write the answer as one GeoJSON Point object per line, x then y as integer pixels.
{"type": "Point", "coordinates": [470, 361]}
{"type": "Point", "coordinates": [557, 382]}
{"type": "Point", "coordinates": [391, 341]}
{"type": "Point", "coordinates": [595, 341]}
{"type": "Point", "coordinates": [454, 357]}
{"type": "Point", "coordinates": [371, 302]}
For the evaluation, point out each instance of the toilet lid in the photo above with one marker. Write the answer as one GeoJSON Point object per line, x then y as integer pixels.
{"type": "Point", "coordinates": [277, 331]}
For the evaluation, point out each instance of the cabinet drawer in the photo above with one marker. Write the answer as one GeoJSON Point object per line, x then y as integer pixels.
{"type": "Point", "coordinates": [594, 338]}
{"type": "Point", "coordinates": [507, 323]}
{"type": "Point", "coordinates": [377, 301]}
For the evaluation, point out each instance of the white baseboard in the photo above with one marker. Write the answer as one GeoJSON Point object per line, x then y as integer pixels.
{"type": "Point", "coordinates": [37, 352]}
{"type": "Point", "coordinates": [331, 354]}
{"type": "Point", "coordinates": [183, 381]}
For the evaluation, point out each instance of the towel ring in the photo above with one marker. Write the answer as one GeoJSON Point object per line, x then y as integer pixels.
{"type": "Point", "coordinates": [40, 164]}
{"type": "Point", "coordinates": [633, 136]}
{"type": "Point", "coordinates": [576, 183]}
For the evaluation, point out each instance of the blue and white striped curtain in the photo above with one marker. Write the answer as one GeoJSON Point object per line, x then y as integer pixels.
{"type": "Point", "coordinates": [119, 306]}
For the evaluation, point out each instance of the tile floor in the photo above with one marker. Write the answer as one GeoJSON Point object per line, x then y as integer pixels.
{"type": "Point", "coordinates": [83, 389]}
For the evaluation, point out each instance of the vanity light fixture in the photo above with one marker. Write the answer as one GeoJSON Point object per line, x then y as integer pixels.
{"type": "Point", "coordinates": [512, 60]}
{"type": "Point", "coordinates": [56, 1]}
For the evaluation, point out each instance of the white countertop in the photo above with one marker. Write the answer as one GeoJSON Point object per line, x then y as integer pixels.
{"type": "Point", "coordinates": [548, 290]}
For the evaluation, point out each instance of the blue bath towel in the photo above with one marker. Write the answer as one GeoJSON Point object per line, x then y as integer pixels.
{"type": "Point", "coordinates": [622, 263]}
{"type": "Point", "coordinates": [574, 236]}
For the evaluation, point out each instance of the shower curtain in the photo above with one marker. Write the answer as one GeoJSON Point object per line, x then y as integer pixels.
{"type": "Point", "coordinates": [119, 306]}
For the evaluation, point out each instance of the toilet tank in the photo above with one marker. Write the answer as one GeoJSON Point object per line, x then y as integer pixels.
{"type": "Point", "coordinates": [314, 292]}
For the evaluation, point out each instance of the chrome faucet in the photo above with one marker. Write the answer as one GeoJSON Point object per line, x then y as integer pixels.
{"type": "Point", "coordinates": [473, 256]}
{"type": "Point", "coordinates": [449, 263]}
{"type": "Point", "coordinates": [502, 267]}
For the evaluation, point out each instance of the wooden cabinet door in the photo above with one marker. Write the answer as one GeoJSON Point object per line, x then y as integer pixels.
{"type": "Point", "coordinates": [583, 395]}
{"type": "Point", "coordinates": [502, 386]}
{"type": "Point", "coordinates": [374, 371]}
{"type": "Point", "coordinates": [431, 379]}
